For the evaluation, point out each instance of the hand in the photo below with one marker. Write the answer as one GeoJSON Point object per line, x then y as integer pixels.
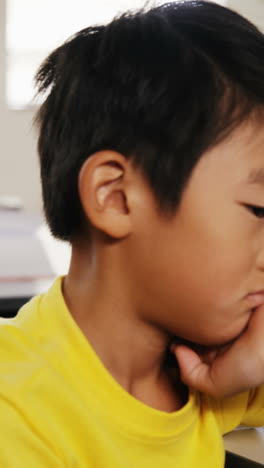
{"type": "Point", "coordinates": [227, 370]}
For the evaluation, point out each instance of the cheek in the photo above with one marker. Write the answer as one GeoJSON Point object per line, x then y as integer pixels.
{"type": "Point", "coordinates": [193, 278]}
{"type": "Point", "coordinates": [218, 263]}
{"type": "Point", "coordinates": [229, 274]}
{"type": "Point", "coordinates": [210, 308]}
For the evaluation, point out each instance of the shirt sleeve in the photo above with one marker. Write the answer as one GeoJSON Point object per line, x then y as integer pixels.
{"type": "Point", "coordinates": [243, 409]}
{"type": "Point", "coordinates": [254, 414]}
{"type": "Point", "coordinates": [20, 444]}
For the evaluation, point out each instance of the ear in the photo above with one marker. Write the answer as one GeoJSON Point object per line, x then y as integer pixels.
{"type": "Point", "coordinates": [103, 192]}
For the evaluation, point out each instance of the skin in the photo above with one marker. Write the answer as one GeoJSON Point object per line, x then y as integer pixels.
{"type": "Point", "coordinates": [138, 279]}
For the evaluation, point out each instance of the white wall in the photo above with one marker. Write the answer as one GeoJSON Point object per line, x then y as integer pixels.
{"type": "Point", "coordinates": [18, 160]}
{"type": "Point", "coordinates": [19, 173]}
{"type": "Point", "coordinates": [251, 9]}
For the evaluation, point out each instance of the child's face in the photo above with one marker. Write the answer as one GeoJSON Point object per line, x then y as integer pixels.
{"type": "Point", "coordinates": [200, 266]}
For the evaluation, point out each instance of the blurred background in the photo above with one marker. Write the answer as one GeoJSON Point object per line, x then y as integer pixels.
{"type": "Point", "coordinates": [29, 30]}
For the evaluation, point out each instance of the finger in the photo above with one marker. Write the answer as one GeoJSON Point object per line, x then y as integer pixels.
{"type": "Point", "coordinates": [208, 357]}
{"type": "Point", "coordinates": [194, 371]}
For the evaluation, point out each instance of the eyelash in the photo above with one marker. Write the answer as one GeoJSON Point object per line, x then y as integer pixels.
{"type": "Point", "coordinates": [257, 211]}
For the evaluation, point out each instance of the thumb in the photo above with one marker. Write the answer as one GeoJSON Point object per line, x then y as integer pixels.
{"type": "Point", "coordinates": [194, 371]}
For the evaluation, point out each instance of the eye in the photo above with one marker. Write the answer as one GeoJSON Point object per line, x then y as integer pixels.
{"type": "Point", "coordinates": [257, 211]}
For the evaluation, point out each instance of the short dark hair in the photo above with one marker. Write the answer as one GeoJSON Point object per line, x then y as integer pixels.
{"type": "Point", "coordinates": [159, 86]}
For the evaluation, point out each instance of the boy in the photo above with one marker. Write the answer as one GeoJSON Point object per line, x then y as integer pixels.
{"type": "Point", "coordinates": [152, 167]}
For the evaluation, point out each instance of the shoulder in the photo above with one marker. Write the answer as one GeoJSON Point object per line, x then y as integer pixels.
{"type": "Point", "coordinates": [20, 346]}
{"type": "Point", "coordinates": [26, 431]}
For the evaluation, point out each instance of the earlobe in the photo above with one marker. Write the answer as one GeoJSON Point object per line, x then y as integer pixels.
{"type": "Point", "coordinates": [102, 190]}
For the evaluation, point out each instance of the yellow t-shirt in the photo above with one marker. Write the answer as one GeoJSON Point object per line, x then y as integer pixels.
{"type": "Point", "coordinates": [60, 407]}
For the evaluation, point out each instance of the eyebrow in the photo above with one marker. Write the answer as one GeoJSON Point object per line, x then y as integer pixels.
{"type": "Point", "coordinates": [256, 176]}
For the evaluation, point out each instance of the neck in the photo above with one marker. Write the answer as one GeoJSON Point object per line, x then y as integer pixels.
{"type": "Point", "coordinates": [99, 296]}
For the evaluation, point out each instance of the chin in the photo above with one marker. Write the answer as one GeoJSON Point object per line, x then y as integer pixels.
{"type": "Point", "coordinates": [217, 336]}
{"type": "Point", "coordinates": [224, 338]}
{"type": "Point", "coordinates": [220, 339]}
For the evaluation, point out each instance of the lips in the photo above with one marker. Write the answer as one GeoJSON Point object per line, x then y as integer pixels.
{"type": "Point", "coordinates": [256, 299]}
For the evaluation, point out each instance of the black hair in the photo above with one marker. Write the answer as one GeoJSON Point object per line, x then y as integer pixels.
{"type": "Point", "coordinates": [159, 86]}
